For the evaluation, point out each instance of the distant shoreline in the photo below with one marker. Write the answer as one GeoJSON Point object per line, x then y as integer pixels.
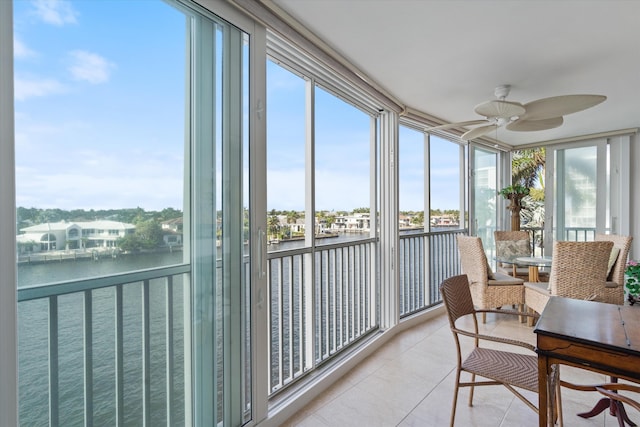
{"type": "Point", "coordinates": [94, 254]}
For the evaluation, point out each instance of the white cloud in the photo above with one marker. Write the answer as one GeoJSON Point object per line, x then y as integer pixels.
{"type": "Point", "coordinates": [20, 50]}
{"type": "Point", "coordinates": [25, 88]}
{"type": "Point", "coordinates": [97, 178]}
{"type": "Point", "coordinates": [90, 67]}
{"type": "Point", "coordinates": [55, 12]}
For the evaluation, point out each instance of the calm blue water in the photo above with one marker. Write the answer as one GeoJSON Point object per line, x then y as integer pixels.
{"type": "Point", "coordinates": [33, 344]}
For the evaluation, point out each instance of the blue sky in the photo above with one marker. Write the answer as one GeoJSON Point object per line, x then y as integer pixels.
{"type": "Point", "coordinates": [99, 95]}
{"type": "Point", "coordinates": [342, 138]}
{"type": "Point", "coordinates": [99, 106]}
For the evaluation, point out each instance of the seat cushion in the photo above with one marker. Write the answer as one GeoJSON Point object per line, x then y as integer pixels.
{"type": "Point", "coordinates": [541, 287]}
{"type": "Point", "coordinates": [501, 279]}
{"type": "Point", "coordinates": [610, 284]}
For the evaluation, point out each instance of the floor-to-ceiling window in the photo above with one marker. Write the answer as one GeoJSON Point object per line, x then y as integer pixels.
{"type": "Point", "coordinates": [484, 189]}
{"type": "Point", "coordinates": [132, 203]}
{"type": "Point", "coordinates": [587, 188]}
{"type": "Point", "coordinates": [321, 227]}
{"type": "Point", "coordinates": [431, 189]}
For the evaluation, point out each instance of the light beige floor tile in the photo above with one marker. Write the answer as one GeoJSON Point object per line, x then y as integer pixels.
{"type": "Point", "coordinates": [308, 421]}
{"type": "Point", "coordinates": [410, 382]}
{"type": "Point", "coordinates": [358, 407]}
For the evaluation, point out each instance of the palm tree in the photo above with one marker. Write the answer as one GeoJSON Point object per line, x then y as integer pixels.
{"type": "Point", "coordinates": [527, 167]}
{"type": "Point", "coordinates": [292, 218]}
{"type": "Point", "coordinates": [273, 225]}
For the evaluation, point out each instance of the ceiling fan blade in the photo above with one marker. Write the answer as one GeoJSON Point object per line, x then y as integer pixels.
{"type": "Point", "coordinates": [457, 125]}
{"type": "Point", "coordinates": [500, 109]}
{"type": "Point", "coordinates": [523, 125]}
{"type": "Point", "coordinates": [478, 132]}
{"type": "Point", "coordinates": [557, 106]}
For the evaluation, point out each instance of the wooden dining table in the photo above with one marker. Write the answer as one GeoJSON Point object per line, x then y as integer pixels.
{"type": "Point", "coordinates": [590, 335]}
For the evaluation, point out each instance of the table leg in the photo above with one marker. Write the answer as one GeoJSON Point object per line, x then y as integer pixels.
{"type": "Point", "coordinates": [615, 408]}
{"type": "Point", "coordinates": [543, 391]}
{"type": "Point", "coordinates": [534, 275]}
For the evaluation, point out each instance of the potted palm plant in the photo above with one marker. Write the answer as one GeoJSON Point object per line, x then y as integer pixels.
{"type": "Point", "coordinates": [514, 193]}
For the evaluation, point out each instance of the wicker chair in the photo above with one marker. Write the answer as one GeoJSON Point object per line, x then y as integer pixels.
{"type": "Point", "coordinates": [499, 367]}
{"type": "Point", "coordinates": [578, 270]}
{"type": "Point", "coordinates": [614, 290]}
{"type": "Point", "coordinates": [487, 292]}
{"type": "Point", "coordinates": [518, 243]}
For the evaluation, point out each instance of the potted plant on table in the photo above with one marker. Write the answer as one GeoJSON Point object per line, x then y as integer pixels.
{"type": "Point", "coordinates": [514, 193]}
{"type": "Point", "coordinates": [632, 281]}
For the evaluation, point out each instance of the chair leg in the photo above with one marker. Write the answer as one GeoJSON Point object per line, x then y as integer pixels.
{"type": "Point", "coordinates": [530, 319]}
{"type": "Point", "coordinates": [455, 398]}
{"type": "Point", "coordinates": [557, 416]}
{"type": "Point", "coordinates": [521, 309]}
{"type": "Point", "coordinates": [484, 318]}
{"type": "Point", "coordinates": [471, 389]}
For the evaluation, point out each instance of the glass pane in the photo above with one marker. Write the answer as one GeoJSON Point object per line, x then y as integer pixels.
{"type": "Point", "coordinates": [286, 123]}
{"type": "Point", "coordinates": [411, 179]}
{"type": "Point", "coordinates": [485, 187]}
{"type": "Point", "coordinates": [577, 179]}
{"type": "Point", "coordinates": [445, 171]}
{"type": "Point", "coordinates": [246, 352]}
{"type": "Point", "coordinates": [342, 170]}
{"type": "Point", "coordinates": [99, 138]}
{"type": "Point", "coordinates": [100, 178]}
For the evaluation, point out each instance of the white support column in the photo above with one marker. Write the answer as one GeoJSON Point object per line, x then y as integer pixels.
{"type": "Point", "coordinates": [8, 294]}
{"type": "Point", "coordinates": [620, 183]}
{"type": "Point", "coordinates": [389, 276]}
{"type": "Point", "coordinates": [310, 211]}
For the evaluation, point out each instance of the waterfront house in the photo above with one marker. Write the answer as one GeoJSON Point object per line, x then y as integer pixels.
{"type": "Point", "coordinates": [73, 235]}
{"type": "Point", "coordinates": [245, 334]}
{"type": "Point", "coordinates": [172, 231]}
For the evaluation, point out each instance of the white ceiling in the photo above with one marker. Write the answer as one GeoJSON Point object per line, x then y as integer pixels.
{"type": "Point", "coordinates": [443, 57]}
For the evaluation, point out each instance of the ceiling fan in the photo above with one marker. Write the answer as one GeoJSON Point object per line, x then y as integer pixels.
{"type": "Point", "coordinates": [542, 114]}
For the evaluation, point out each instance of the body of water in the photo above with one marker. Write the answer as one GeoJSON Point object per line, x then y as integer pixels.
{"type": "Point", "coordinates": [33, 325]}
{"type": "Point", "coordinates": [33, 318]}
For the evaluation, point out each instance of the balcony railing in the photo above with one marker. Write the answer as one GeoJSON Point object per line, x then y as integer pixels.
{"type": "Point", "coordinates": [103, 351]}
{"type": "Point", "coordinates": [315, 313]}
{"type": "Point", "coordinates": [426, 259]}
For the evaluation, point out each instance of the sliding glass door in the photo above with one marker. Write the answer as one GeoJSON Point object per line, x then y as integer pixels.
{"type": "Point", "coordinates": [579, 192]}
{"type": "Point", "coordinates": [134, 215]}
{"type": "Point", "coordinates": [589, 189]}
{"type": "Point", "coordinates": [483, 191]}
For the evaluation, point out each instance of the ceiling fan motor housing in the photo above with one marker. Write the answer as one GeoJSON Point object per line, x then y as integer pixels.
{"type": "Point", "coordinates": [502, 91]}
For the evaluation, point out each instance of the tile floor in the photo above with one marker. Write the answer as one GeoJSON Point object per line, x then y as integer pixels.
{"type": "Point", "coordinates": [409, 382]}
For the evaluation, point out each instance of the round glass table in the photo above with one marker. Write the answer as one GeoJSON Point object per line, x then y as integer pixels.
{"type": "Point", "coordinates": [534, 264]}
